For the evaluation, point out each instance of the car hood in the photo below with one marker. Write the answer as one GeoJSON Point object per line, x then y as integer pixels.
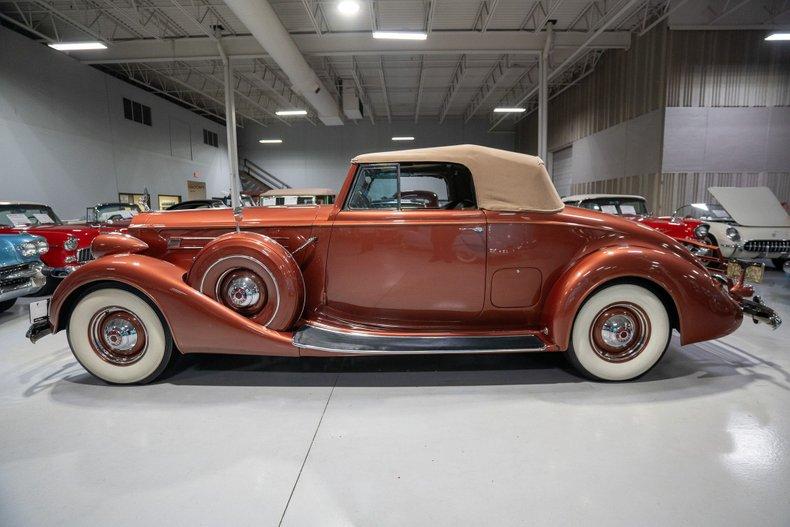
{"type": "Point", "coordinates": [752, 206]}
{"type": "Point", "coordinates": [57, 234]}
{"type": "Point", "coordinates": [223, 218]}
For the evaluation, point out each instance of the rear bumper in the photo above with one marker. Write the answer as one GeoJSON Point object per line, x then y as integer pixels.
{"type": "Point", "coordinates": [38, 330]}
{"type": "Point", "coordinates": [20, 282]}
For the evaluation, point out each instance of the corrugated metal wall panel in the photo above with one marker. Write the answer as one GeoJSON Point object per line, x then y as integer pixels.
{"type": "Point", "coordinates": [624, 85]}
{"type": "Point", "coordinates": [726, 68]}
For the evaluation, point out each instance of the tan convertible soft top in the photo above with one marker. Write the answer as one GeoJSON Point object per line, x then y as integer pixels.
{"type": "Point", "coordinates": [504, 181]}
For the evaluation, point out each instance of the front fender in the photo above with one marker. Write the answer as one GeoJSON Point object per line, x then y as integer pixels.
{"type": "Point", "coordinates": [198, 323]}
{"type": "Point", "coordinates": [704, 310]}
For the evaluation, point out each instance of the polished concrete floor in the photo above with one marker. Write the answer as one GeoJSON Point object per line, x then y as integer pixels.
{"type": "Point", "coordinates": [704, 439]}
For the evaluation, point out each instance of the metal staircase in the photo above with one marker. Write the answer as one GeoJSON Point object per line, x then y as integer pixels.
{"type": "Point", "coordinates": [255, 180]}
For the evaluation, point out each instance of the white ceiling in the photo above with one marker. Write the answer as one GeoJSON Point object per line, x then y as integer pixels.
{"type": "Point", "coordinates": [479, 53]}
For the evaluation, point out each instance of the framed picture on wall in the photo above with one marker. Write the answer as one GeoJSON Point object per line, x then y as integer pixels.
{"type": "Point", "coordinates": [167, 200]}
{"type": "Point", "coordinates": [139, 199]}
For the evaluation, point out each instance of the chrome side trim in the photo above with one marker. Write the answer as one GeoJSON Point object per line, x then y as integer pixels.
{"type": "Point", "coordinates": [312, 337]}
{"type": "Point", "coordinates": [419, 352]}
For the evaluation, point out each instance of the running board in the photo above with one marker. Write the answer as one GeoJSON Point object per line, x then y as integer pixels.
{"type": "Point", "coordinates": [316, 338]}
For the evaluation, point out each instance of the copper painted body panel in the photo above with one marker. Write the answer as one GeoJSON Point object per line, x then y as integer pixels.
{"type": "Point", "coordinates": [415, 272]}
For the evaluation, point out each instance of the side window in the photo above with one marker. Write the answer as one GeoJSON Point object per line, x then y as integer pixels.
{"type": "Point", "coordinates": [375, 187]}
{"type": "Point", "coordinates": [413, 186]}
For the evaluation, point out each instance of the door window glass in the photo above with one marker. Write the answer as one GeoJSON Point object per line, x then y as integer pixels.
{"type": "Point", "coordinates": [413, 186]}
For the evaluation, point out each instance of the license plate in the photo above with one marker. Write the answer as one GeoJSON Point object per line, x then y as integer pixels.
{"type": "Point", "coordinates": [752, 272]}
{"type": "Point", "coordinates": [39, 310]}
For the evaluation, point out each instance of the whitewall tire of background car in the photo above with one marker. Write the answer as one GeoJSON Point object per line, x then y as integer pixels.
{"type": "Point", "coordinates": [619, 333]}
{"type": "Point", "coordinates": [119, 337]}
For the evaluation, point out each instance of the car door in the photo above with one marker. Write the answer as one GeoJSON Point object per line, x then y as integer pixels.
{"type": "Point", "coordinates": [402, 250]}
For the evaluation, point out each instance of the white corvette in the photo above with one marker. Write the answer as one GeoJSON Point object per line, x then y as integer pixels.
{"type": "Point", "coordinates": [750, 223]}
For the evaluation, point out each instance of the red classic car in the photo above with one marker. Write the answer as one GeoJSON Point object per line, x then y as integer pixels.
{"type": "Point", "coordinates": [635, 208]}
{"type": "Point", "coordinates": [69, 245]}
{"type": "Point", "coordinates": [495, 263]}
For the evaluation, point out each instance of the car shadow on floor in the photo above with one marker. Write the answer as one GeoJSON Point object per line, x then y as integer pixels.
{"type": "Point", "coordinates": [716, 365]}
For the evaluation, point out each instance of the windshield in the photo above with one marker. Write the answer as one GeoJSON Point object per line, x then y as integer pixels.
{"type": "Point", "coordinates": [27, 216]}
{"type": "Point", "coordinates": [704, 212]}
{"type": "Point", "coordinates": [618, 206]}
{"type": "Point", "coordinates": [112, 212]}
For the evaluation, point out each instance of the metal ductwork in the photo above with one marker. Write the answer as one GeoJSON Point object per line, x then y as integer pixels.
{"type": "Point", "coordinates": [265, 26]}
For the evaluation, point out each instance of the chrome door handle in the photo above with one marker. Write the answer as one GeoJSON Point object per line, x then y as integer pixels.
{"type": "Point", "coordinates": [473, 229]}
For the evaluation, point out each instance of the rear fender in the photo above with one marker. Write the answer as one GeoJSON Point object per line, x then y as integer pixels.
{"type": "Point", "coordinates": [198, 323]}
{"type": "Point", "coordinates": [704, 311]}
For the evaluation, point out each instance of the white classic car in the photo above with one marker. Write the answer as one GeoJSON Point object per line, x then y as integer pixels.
{"type": "Point", "coordinates": [748, 223]}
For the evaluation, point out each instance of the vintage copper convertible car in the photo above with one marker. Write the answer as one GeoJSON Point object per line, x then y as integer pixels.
{"type": "Point", "coordinates": [459, 249]}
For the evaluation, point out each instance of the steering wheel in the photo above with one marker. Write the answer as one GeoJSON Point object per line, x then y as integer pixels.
{"type": "Point", "coordinates": [360, 201]}
{"type": "Point", "coordinates": [463, 202]}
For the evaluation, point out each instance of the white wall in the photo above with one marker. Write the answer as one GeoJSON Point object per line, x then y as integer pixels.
{"type": "Point", "coordinates": [630, 148]}
{"type": "Point", "coordinates": [700, 139]}
{"type": "Point", "coordinates": [64, 140]}
{"type": "Point", "coordinates": [318, 156]}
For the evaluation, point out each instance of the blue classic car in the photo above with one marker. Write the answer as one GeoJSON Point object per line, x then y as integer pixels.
{"type": "Point", "coordinates": [20, 266]}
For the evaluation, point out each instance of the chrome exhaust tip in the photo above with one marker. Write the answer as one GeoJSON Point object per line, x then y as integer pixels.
{"type": "Point", "coordinates": [759, 312]}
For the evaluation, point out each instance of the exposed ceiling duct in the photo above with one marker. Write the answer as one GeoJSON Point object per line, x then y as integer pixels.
{"type": "Point", "coordinates": [261, 20]}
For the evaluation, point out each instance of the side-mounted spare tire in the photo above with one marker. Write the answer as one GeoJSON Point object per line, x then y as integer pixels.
{"type": "Point", "coordinates": [253, 275]}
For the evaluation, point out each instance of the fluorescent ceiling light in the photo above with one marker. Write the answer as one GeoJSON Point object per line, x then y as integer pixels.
{"type": "Point", "coordinates": [348, 7]}
{"type": "Point", "coordinates": [403, 138]}
{"type": "Point", "coordinates": [510, 110]}
{"type": "Point", "coordinates": [270, 141]}
{"type": "Point", "coordinates": [291, 112]}
{"type": "Point", "coordinates": [778, 36]}
{"type": "Point", "coordinates": [76, 46]}
{"type": "Point", "coordinates": [400, 35]}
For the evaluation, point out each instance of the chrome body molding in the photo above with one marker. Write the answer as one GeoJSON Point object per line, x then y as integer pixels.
{"type": "Point", "coordinates": [328, 340]}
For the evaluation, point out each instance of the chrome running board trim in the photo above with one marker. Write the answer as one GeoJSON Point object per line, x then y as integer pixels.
{"type": "Point", "coordinates": [334, 341]}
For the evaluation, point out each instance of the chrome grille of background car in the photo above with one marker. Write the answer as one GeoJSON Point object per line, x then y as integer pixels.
{"type": "Point", "coordinates": [11, 270]}
{"type": "Point", "coordinates": [767, 246]}
{"type": "Point", "coordinates": [84, 255]}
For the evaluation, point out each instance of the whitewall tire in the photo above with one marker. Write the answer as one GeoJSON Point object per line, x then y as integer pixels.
{"type": "Point", "coordinates": [619, 333]}
{"type": "Point", "coordinates": [119, 337]}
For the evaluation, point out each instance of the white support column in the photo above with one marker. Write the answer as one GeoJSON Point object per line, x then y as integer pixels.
{"type": "Point", "coordinates": [230, 126]}
{"type": "Point", "coordinates": [543, 97]}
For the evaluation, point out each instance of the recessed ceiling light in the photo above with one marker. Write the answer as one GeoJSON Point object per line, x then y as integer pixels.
{"type": "Point", "coordinates": [778, 36]}
{"type": "Point", "coordinates": [348, 7]}
{"type": "Point", "coordinates": [76, 46]}
{"type": "Point", "coordinates": [403, 138]}
{"type": "Point", "coordinates": [291, 112]}
{"type": "Point", "coordinates": [400, 35]}
{"type": "Point", "coordinates": [270, 141]}
{"type": "Point", "coordinates": [510, 110]}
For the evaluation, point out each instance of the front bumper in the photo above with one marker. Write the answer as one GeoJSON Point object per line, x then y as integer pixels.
{"type": "Point", "coordinates": [21, 280]}
{"type": "Point", "coordinates": [60, 272]}
{"type": "Point", "coordinates": [760, 312]}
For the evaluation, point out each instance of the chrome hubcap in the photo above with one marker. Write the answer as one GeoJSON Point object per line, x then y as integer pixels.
{"type": "Point", "coordinates": [120, 334]}
{"type": "Point", "coordinates": [618, 331]}
{"type": "Point", "coordinates": [117, 336]}
{"type": "Point", "coordinates": [243, 292]}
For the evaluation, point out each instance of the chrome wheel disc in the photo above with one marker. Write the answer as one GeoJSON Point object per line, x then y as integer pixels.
{"type": "Point", "coordinates": [243, 291]}
{"type": "Point", "coordinates": [620, 332]}
{"type": "Point", "coordinates": [117, 336]}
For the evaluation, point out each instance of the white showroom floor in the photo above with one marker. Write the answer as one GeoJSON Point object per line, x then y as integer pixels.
{"type": "Point", "coordinates": [703, 439]}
